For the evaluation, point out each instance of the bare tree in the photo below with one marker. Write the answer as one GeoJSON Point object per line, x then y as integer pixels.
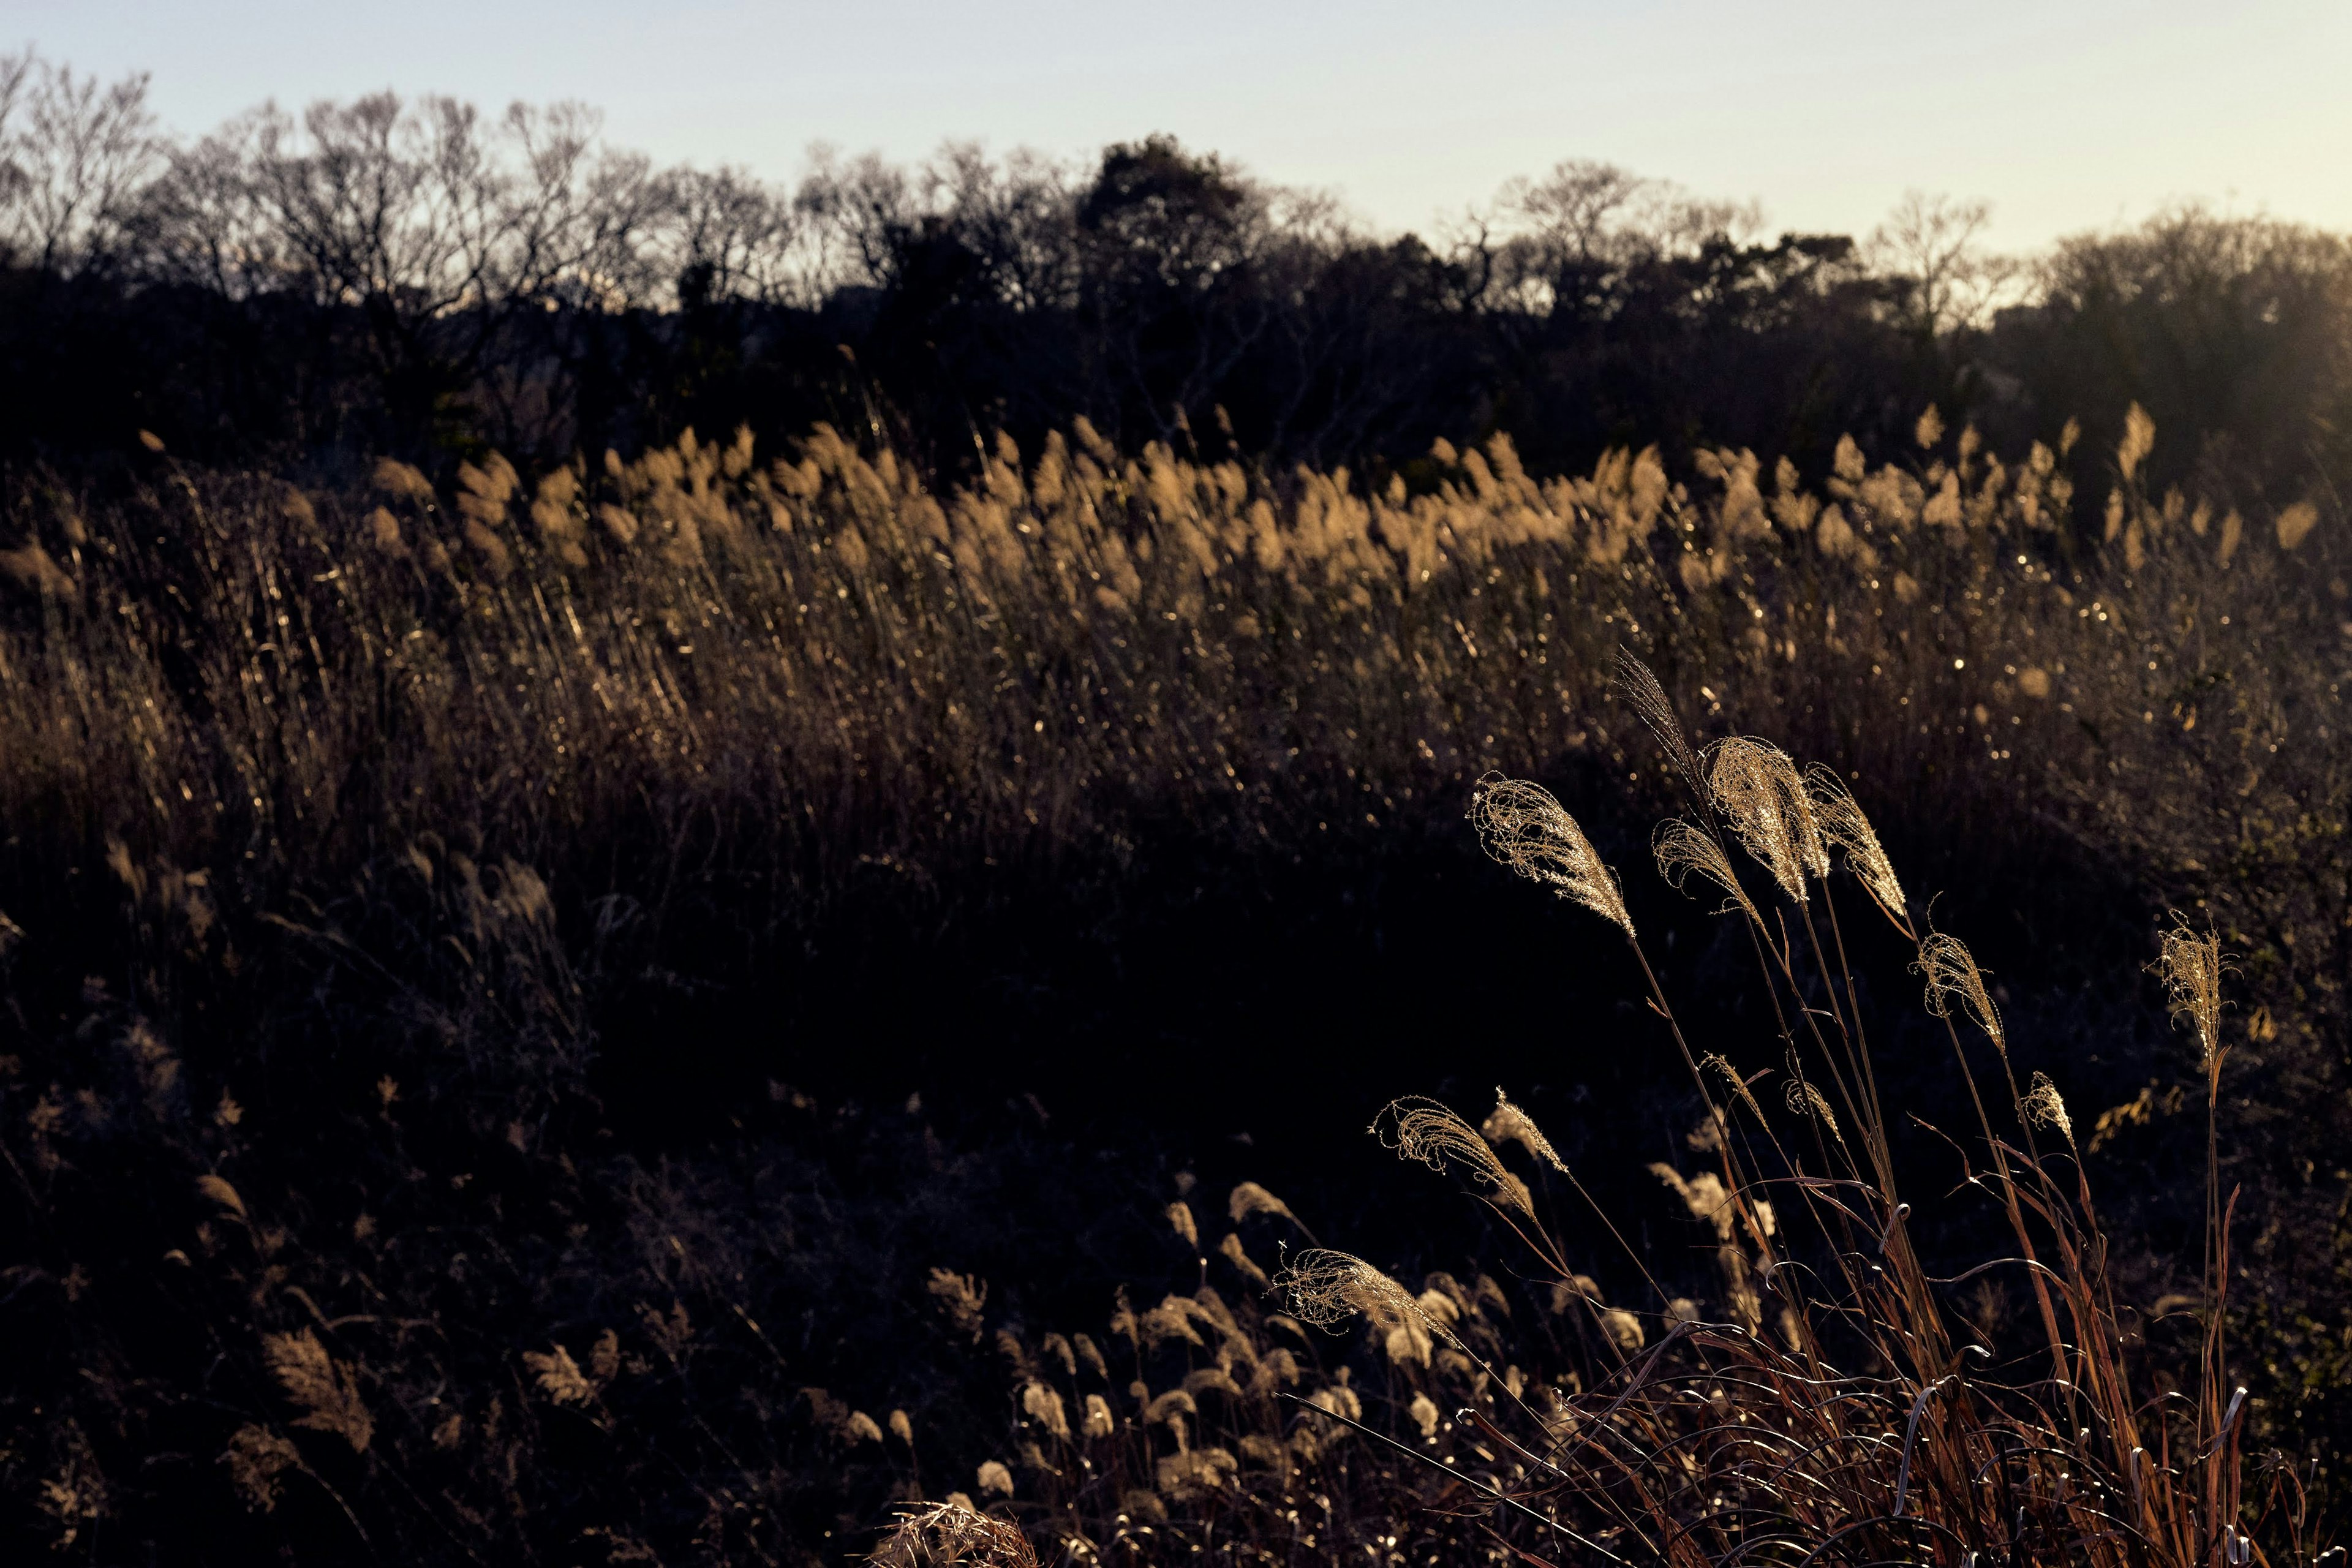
{"type": "Point", "coordinates": [1018, 217]}
{"type": "Point", "coordinates": [1547, 240]}
{"type": "Point", "coordinates": [204, 220]}
{"type": "Point", "coordinates": [1931, 244]}
{"type": "Point", "coordinates": [73, 157]}
{"type": "Point", "coordinates": [731, 237]}
{"type": "Point", "coordinates": [853, 208]}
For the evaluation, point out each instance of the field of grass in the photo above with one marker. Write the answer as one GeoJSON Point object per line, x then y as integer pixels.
{"type": "Point", "coordinates": [655, 1012]}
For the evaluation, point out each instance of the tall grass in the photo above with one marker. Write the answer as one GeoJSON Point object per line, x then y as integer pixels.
{"type": "Point", "coordinates": [1822, 1396]}
{"type": "Point", "coordinates": [787, 664]}
{"type": "Point", "coordinates": [333, 815]}
{"type": "Point", "coordinates": [1832, 1403]}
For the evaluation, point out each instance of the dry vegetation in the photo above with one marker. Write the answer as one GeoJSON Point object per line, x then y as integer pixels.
{"type": "Point", "coordinates": [334, 821]}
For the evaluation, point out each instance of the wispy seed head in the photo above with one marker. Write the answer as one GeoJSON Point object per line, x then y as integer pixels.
{"type": "Point", "coordinates": [1507, 1123]}
{"type": "Point", "coordinates": [1524, 827]}
{"type": "Point", "coordinates": [1760, 793]}
{"type": "Point", "coordinates": [1843, 825]}
{"type": "Point", "coordinates": [1424, 1129]}
{"type": "Point", "coordinates": [1682, 849]}
{"type": "Point", "coordinates": [1952, 972]}
{"type": "Point", "coordinates": [1639, 688]}
{"type": "Point", "coordinates": [2041, 1107]}
{"type": "Point", "coordinates": [2191, 964]}
{"type": "Point", "coordinates": [1328, 1287]}
{"type": "Point", "coordinates": [1715, 1062]}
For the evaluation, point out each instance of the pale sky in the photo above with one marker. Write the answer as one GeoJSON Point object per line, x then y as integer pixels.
{"type": "Point", "coordinates": [2065, 114]}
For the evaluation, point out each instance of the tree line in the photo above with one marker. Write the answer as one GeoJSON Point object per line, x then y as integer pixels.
{"type": "Point", "coordinates": [423, 279]}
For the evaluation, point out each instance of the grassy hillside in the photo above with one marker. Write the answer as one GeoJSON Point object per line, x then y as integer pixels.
{"type": "Point", "coordinates": [543, 1016]}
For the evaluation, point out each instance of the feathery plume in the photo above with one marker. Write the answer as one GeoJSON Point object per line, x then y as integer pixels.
{"type": "Point", "coordinates": [1042, 1405]}
{"type": "Point", "coordinates": [1423, 1129]}
{"type": "Point", "coordinates": [1507, 1123]}
{"type": "Point", "coordinates": [2192, 983]}
{"type": "Point", "coordinates": [1704, 1195]}
{"type": "Point", "coordinates": [1716, 1062]}
{"type": "Point", "coordinates": [1760, 793]}
{"type": "Point", "coordinates": [1328, 1287]}
{"type": "Point", "coordinates": [961, 1296]}
{"type": "Point", "coordinates": [1231, 1250]}
{"type": "Point", "coordinates": [255, 1458]}
{"type": "Point", "coordinates": [558, 1376]}
{"type": "Point", "coordinates": [325, 1388]}
{"type": "Point", "coordinates": [2296, 523]}
{"type": "Point", "coordinates": [401, 482]}
{"type": "Point", "coordinates": [1524, 827]}
{"type": "Point", "coordinates": [2041, 1107]}
{"type": "Point", "coordinates": [1639, 688]}
{"type": "Point", "coordinates": [1805, 1098]}
{"type": "Point", "coordinates": [1249, 1198]}
{"type": "Point", "coordinates": [1842, 823]}
{"type": "Point", "coordinates": [1682, 849]}
{"type": "Point", "coordinates": [1950, 973]}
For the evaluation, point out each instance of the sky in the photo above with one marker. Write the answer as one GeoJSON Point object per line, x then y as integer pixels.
{"type": "Point", "coordinates": [2066, 115]}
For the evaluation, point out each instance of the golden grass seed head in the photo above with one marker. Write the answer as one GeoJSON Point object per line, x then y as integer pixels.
{"type": "Point", "coordinates": [1805, 1098]}
{"type": "Point", "coordinates": [1842, 823]}
{"type": "Point", "coordinates": [1639, 687]}
{"type": "Point", "coordinates": [1424, 1130]}
{"type": "Point", "coordinates": [401, 482]}
{"type": "Point", "coordinates": [1762, 796]}
{"type": "Point", "coordinates": [1952, 972]}
{"type": "Point", "coordinates": [2042, 1107]}
{"type": "Point", "coordinates": [1716, 1062]}
{"type": "Point", "coordinates": [2191, 964]}
{"type": "Point", "coordinates": [1681, 849]}
{"type": "Point", "coordinates": [1520, 824]}
{"type": "Point", "coordinates": [1043, 1405]}
{"type": "Point", "coordinates": [1507, 1123]}
{"type": "Point", "coordinates": [2296, 523]}
{"type": "Point", "coordinates": [1328, 1287]}
{"type": "Point", "coordinates": [1249, 1198]}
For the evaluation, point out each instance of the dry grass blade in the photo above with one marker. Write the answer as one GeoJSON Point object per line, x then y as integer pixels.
{"type": "Point", "coordinates": [1524, 827]}
{"type": "Point", "coordinates": [950, 1535]}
